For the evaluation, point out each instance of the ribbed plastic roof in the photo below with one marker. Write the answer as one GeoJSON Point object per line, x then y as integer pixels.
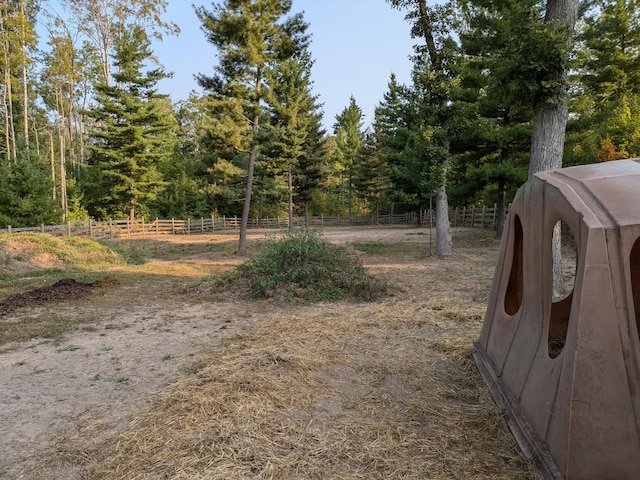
{"type": "Point", "coordinates": [610, 190]}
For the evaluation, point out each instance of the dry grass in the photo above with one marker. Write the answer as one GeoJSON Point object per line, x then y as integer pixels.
{"type": "Point", "coordinates": [385, 390]}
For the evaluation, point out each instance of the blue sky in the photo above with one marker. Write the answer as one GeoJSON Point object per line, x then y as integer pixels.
{"type": "Point", "coordinates": [356, 45]}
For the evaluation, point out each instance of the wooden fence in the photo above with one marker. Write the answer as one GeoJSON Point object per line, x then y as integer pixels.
{"type": "Point", "coordinates": [478, 217]}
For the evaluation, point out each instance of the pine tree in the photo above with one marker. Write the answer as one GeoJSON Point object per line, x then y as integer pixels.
{"type": "Point", "coordinates": [349, 142]}
{"type": "Point", "coordinates": [433, 24]}
{"type": "Point", "coordinates": [371, 179]}
{"type": "Point", "coordinates": [131, 136]}
{"type": "Point", "coordinates": [312, 167]}
{"type": "Point", "coordinates": [250, 36]}
{"type": "Point", "coordinates": [400, 129]}
{"type": "Point", "coordinates": [606, 103]}
{"type": "Point", "coordinates": [293, 109]}
{"type": "Point", "coordinates": [493, 139]}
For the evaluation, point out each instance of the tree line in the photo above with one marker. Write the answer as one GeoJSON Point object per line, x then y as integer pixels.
{"type": "Point", "coordinates": [494, 87]}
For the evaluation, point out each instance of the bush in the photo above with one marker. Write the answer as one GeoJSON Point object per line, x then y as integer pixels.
{"type": "Point", "coordinates": [303, 265]}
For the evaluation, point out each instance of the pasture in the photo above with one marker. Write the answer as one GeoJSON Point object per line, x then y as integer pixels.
{"type": "Point", "coordinates": [145, 371]}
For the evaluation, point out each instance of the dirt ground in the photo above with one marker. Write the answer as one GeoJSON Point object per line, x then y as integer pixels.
{"type": "Point", "coordinates": [137, 338]}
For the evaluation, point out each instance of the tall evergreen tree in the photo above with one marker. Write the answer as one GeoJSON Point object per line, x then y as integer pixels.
{"type": "Point", "coordinates": [372, 177]}
{"type": "Point", "coordinates": [132, 134]}
{"type": "Point", "coordinates": [493, 139]}
{"type": "Point", "coordinates": [606, 87]}
{"type": "Point", "coordinates": [433, 24]}
{"type": "Point", "coordinates": [250, 36]}
{"type": "Point", "coordinates": [395, 120]}
{"type": "Point", "coordinates": [293, 109]}
{"type": "Point", "coordinates": [349, 142]}
{"type": "Point", "coordinates": [312, 168]}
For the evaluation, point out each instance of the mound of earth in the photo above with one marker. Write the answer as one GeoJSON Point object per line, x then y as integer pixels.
{"type": "Point", "coordinates": [64, 289]}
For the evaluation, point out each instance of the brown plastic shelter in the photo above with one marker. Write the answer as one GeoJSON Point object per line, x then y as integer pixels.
{"type": "Point", "coordinates": [568, 372]}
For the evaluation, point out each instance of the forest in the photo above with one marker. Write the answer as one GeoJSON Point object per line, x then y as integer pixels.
{"type": "Point", "coordinates": [87, 134]}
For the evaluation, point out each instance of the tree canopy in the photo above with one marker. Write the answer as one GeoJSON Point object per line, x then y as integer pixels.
{"type": "Point", "coordinates": [87, 134]}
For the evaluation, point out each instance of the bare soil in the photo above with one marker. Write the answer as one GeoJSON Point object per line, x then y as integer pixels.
{"type": "Point", "coordinates": [137, 337]}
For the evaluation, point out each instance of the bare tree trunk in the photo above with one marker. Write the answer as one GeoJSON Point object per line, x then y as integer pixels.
{"type": "Point", "coordinates": [443, 227]}
{"type": "Point", "coordinates": [500, 208]}
{"type": "Point", "coordinates": [63, 180]}
{"type": "Point", "coordinates": [242, 243]}
{"type": "Point", "coordinates": [547, 139]}
{"type": "Point", "coordinates": [25, 86]}
{"type": "Point", "coordinates": [549, 125]}
{"type": "Point", "coordinates": [290, 199]}
{"type": "Point", "coordinates": [7, 135]}
{"type": "Point", "coordinates": [53, 164]}
{"type": "Point", "coordinates": [8, 100]}
{"type": "Point", "coordinates": [244, 222]}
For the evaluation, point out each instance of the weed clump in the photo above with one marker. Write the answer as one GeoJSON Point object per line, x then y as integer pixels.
{"type": "Point", "coordinates": [302, 265]}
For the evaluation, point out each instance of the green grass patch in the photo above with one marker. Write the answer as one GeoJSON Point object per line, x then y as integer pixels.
{"type": "Point", "coordinates": [131, 253]}
{"type": "Point", "coordinates": [302, 265]}
{"type": "Point", "coordinates": [64, 252]}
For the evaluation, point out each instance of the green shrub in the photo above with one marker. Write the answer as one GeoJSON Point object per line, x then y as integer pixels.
{"type": "Point", "coordinates": [303, 265]}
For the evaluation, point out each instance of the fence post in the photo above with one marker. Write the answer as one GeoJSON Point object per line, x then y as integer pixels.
{"type": "Point", "coordinates": [90, 229]}
{"type": "Point", "coordinates": [111, 229]}
{"type": "Point", "coordinates": [69, 229]}
{"type": "Point", "coordinates": [494, 217]}
{"type": "Point", "coordinates": [173, 226]}
{"type": "Point", "coordinates": [482, 219]}
{"type": "Point", "coordinates": [143, 230]}
{"type": "Point", "coordinates": [213, 223]}
{"type": "Point", "coordinates": [157, 226]}
{"type": "Point", "coordinates": [9, 228]}
{"type": "Point", "coordinates": [42, 228]}
{"type": "Point", "coordinates": [188, 225]}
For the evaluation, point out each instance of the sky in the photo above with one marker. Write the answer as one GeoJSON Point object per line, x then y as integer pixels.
{"type": "Point", "coordinates": [356, 45]}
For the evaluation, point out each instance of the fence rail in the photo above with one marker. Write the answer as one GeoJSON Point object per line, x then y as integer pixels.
{"type": "Point", "coordinates": [477, 217]}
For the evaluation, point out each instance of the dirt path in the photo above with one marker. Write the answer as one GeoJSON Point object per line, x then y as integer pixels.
{"type": "Point", "coordinates": [132, 344]}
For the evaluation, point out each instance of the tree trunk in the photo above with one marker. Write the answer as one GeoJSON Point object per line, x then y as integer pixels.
{"type": "Point", "coordinates": [547, 139]}
{"type": "Point", "coordinates": [443, 227]}
{"type": "Point", "coordinates": [500, 208]}
{"type": "Point", "coordinates": [290, 199]}
{"type": "Point", "coordinates": [550, 122]}
{"type": "Point", "coordinates": [53, 164]}
{"type": "Point", "coordinates": [244, 222]}
{"type": "Point", "coordinates": [63, 181]}
{"type": "Point", "coordinates": [246, 208]}
{"type": "Point", "coordinates": [25, 86]}
{"type": "Point", "coordinates": [8, 96]}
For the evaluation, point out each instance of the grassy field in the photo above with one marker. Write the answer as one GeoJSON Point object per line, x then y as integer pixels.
{"type": "Point", "coordinates": [334, 390]}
